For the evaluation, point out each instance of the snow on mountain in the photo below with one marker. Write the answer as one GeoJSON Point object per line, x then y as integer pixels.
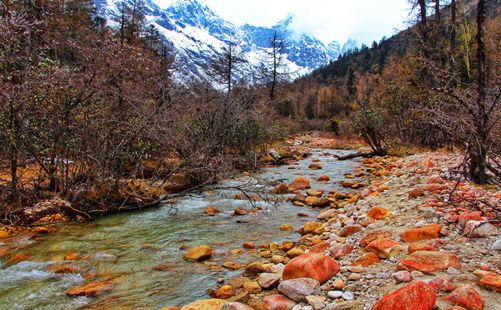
{"type": "Point", "coordinates": [196, 34]}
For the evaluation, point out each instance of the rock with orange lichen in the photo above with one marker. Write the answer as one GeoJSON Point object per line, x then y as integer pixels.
{"type": "Point", "coordinates": [426, 232]}
{"type": "Point", "coordinates": [205, 304]}
{"type": "Point", "coordinates": [373, 236]}
{"type": "Point", "coordinates": [428, 261]}
{"type": "Point", "coordinates": [418, 295]}
{"type": "Point", "coordinates": [63, 268]}
{"type": "Point", "coordinates": [366, 260]}
{"type": "Point", "coordinates": [311, 265]}
{"type": "Point", "coordinates": [467, 297]}
{"type": "Point", "coordinates": [491, 282]}
{"type": "Point", "coordinates": [299, 183]}
{"type": "Point", "coordinates": [384, 248]}
{"type": "Point", "coordinates": [378, 213]}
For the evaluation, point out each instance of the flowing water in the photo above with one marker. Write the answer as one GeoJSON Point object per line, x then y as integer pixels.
{"type": "Point", "coordinates": [125, 247]}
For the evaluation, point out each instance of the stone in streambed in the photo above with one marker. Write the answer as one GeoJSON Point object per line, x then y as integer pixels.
{"type": "Point", "coordinates": [428, 261]}
{"type": "Point", "coordinates": [311, 265]}
{"type": "Point", "coordinates": [205, 304]}
{"type": "Point", "coordinates": [384, 248]}
{"type": "Point", "coordinates": [235, 306]}
{"type": "Point", "coordinates": [366, 260]}
{"type": "Point", "coordinates": [278, 302]}
{"type": "Point", "coordinates": [426, 232]}
{"type": "Point", "coordinates": [198, 253]}
{"type": "Point", "coordinates": [298, 289]}
{"type": "Point", "coordinates": [91, 289]}
{"type": "Point", "coordinates": [268, 280]}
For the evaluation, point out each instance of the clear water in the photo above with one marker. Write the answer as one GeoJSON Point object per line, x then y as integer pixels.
{"type": "Point", "coordinates": [125, 247]}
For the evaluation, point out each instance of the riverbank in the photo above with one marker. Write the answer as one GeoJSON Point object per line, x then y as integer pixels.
{"type": "Point", "coordinates": [414, 234]}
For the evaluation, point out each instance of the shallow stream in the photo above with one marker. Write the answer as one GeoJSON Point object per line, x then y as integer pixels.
{"type": "Point", "coordinates": [125, 247]}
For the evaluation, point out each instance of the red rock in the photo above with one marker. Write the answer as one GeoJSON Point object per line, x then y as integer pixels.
{"type": "Point", "coordinates": [320, 248]}
{"type": "Point", "coordinates": [428, 261]}
{"type": "Point", "coordinates": [464, 217]}
{"type": "Point", "coordinates": [278, 302]}
{"type": "Point", "coordinates": [72, 256]}
{"type": "Point", "coordinates": [378, 213]}
{"type": "Point", "coordinates": [441, 284]}
{"type": "Point", "coordinates": [341, 250]}
{"type": "Point", "coordinates": [350, 230]}
{"type": "Point", "coordinates": [224, 292]}
{"type": "Point", "coordinates": [421, 246]}
{"type": "Point", "coordinates": [41, 230]}
{"type": "Point", "coordinates": [465, 296]}
{"type": "Point", "coordinates": [418, 294]}
{"type": "Point", "coordinates": [416, 192]}
{"type": "Point", "coordinates": [320, 202]}
{"type": "Point", "coordinates": [311, 265]}
{"type": "Point", "coordinates": [367, 260]}
{"type": "Point", "coordinates": [431, 231]}
{"type": "Point", "coordinates": [435, 188]}
{"type": "Point", "coordinates": [63, 268]}
{"type": "Point", "coordinates": [299, 183]}
{"type": "Point", "coordinates": [91, 289]}
{"type": "Point", "coordinates": [402, 276]}
{"type": "Point", "coordinates": [248, 245]}
{"type": "Point", "coordinates": [384, 248]}
{"type": "Point", "coordinates": [16, 258]}
{"type": "Point", "coordinates": [491, 283]}
{"type": "Point", "coordinates": [373, 236]}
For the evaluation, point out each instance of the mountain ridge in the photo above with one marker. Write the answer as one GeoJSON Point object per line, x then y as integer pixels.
{"type": "Point", "coordinates": [196, 34]}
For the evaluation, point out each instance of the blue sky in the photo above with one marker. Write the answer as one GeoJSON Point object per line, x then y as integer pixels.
{"type": "Point", "coordinates": [328, 20]}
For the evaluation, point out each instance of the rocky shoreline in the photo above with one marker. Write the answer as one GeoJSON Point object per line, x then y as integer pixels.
{"type": "Point", "coordinates": [412, 237]}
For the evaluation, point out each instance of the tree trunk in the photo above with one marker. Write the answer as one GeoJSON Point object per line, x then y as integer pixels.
{"type": "Point", "coordinates": [453, 26]}
{"type": "Point", "coordinates": [438, 17]}
{"type": "Point", "coordinates": [478, 151]}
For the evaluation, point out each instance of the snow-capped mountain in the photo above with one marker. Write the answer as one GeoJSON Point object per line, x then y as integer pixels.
{"type": "Point", "coordinates": [196, 34]}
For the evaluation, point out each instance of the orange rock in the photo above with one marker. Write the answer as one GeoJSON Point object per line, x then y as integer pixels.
{"type": "Point", "coordinates": [63, 268]}
{"type": "Point", "coordinates": [311, 265]}
{"type": "Point", "coordinates": [367, 260]}
{"type": "Point", "coordinates": [211, 211]}
{"type": "Point", "coordinates": [315, 167]}
{"type": "Point", "coordinates": [428, 261]}
{"type": "Point", "coordinates": [491, 282]}
{"type": "Point", "coordinates": [72, 256]}
{"type": "Point", "coordinates": [90, 289]}
{"type": "Point", "coordinates": [41, 230]}
{"type": "Point", "coordinates": [416, 192]}
{"type": "Point", "coordinates": [320, 248]}
{"type": "Point", "coordinates": [199, 253]}
{"type": "Point", "coordinates": [323, 178]}
{"type": "Point", "coordinates": [248, 245]}
{"type": "Point", "coordinates": [224, 292]}
{"type": "Point", "coordinates": [431, 231]}
{"type": "Point", "coordinates": [421, 246]}
{"type": "Point", "coordinates": [378, 213]}
{"type": "Point", "coordinates": [384, 248]}
{"type": "Point", "coordinates": [465, 296]}
{"type": "Point", "coordinates": [16, 258]}
{"type": "Point", "coordinates": [347, 184]}
{"type": "Point", "coordinates": [350, 230]}
{"type": "Point", "coordinates": [299, 183]}
{"type": "Point", "coordinates": [320, 202]}
{"type": "Point", "coordinates": [3, 234]}
{"type": "Point", "coordinates": [464, 217]}
{"type": "Point", "coordinates": [418, 294]}
{"type": "Point", "coordinates": [287, 245]}
{"type": "Point", "coordinates": [240, 211]}
{"type": "Point", "coordinates": [373, 236]}
{"type": "Point", "coordinates": [312, 228]}
{"type": "Point", "coordinates": [285, 227]}
{"type": "Point", "coordinates": [341, 250]}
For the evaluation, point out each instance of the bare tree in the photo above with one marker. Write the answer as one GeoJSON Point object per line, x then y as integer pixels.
{"type": "Point", "coordinates": [226, 66]}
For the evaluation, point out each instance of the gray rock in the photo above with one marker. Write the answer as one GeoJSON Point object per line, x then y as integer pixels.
{"type": "Point", "coordinates": [497, 245]}
{"type": "Point", "coordinates": [348, 296]}
{"type": "Point", "coordinates": [334, 294]}
{"type": "Point", "coordinates": [298, 289]}
{"type": "Point", "coordinates": [317, 302]}
{"type": "Point", "coordinates": [268, 280]}
{"type": "Point", "coordinates": [345, 305]}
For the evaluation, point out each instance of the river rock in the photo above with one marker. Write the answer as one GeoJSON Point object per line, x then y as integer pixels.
{"type": "Point", "coordinates": [298, 289]}
{"type": "Point", "coordinates": [428, 261]}
{"type": "Point", "coordinates": [211, 211]}
{"type": "Point", "coordinates": [384, 248]}
{"type": "Point", "coordinates": [252, 287]}
{"type": "Point", "coordinates": [224, 292]}
{"type": "Point", "coordinates": [311, 265]}
{"type": "Point", "coordinates": [268, 280]}
{"type": "Point", "coordinates": [491, 282]}
{"type": "Point", "coordinates": [497, 245]}
{"type": "Point", "coordinates": [205, 304]}
{"type": "Point", "coordinates": [299, 183]}
{"type": "Point", "coordinates": [235, 306]}
{"type": "Point", "coordinates": [278, 302]}
{"type": "Point", "coordinates": [317, 302]}
{"type": "Point", "coordinates": [402, 276]}
{"type": "Point", "coordinates": [373, 236]}
{"type": "Point", "coordinates": [198, 253]}
{"type": "Point", "coordinates": [426, 232]}
{"type": "Point", "coordinates": [479, 229]}
{"type": "Point", "coordinates": [253, 269]}
{"type": "Point", "coordinates": [418, 294]}
{"type": "Point", "coordinates": [367, 260]}
{"type": "Point", "coordinates": [90, 289]}
{"type": "Point", "coordinates": [465, 296]}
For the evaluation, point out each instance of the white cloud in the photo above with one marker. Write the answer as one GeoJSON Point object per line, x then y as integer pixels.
{"type": "Point", "coordinates": [364, 20]}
